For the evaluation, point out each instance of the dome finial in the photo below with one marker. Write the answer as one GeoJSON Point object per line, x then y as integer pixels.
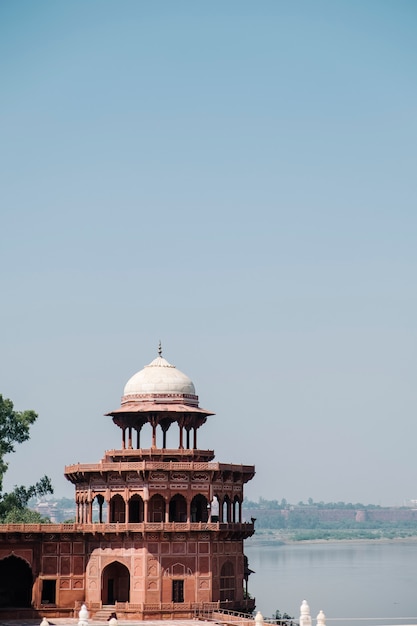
{"type": "Point", "coordinates": [160, 348]}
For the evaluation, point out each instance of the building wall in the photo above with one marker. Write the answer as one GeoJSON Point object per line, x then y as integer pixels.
{"type": "Point", "coordinates": [74, 565]}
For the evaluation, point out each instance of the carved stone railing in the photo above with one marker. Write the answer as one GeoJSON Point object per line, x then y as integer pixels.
{"type": "Point", "coordinates": [140, 466]}
{"type": "Point", "coordinates": [118, 527]}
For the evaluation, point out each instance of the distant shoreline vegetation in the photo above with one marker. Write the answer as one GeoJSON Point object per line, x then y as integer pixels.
{"type": "Point", "coordinates": [282, 522]}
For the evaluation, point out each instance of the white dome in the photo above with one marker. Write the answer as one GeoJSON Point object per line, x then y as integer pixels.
{"type": "Point", "coordinates": [159, 377]}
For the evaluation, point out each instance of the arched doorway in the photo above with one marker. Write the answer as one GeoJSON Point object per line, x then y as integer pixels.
{"type": "Point", "coordinates": [178, 509]}
{"type": "Point", "coordinates": [117, 509]}
{"type": "Point", "coordinates": [199, 508]}
{"type": "Point", "coordinates": [16, 582]}
{"type": "Point", "coordinates": [136, 509]}
{"type": "Point", "coordinates": [115, 583]}
{"type": "Point", "coordinates": [156, 509]}
{"type": "Point", "coordinates": [227, 582]}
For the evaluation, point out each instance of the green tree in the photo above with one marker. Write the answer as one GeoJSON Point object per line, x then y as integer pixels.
{"type": "Point", "coordinates": [14, 429]}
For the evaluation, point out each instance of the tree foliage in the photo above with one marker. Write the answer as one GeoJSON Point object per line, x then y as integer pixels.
{"type": "Point", "coordinates": [14, 429]}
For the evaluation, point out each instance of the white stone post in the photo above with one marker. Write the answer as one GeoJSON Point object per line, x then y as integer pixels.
{"type": "Point", "coordinates": [259, 619]}
{"type": "Point", "coordinates": [321, 619]}
{"type": "Point", "coordinates": [83, 616]}
{"type": "Point", "coordinates": [305, 617]}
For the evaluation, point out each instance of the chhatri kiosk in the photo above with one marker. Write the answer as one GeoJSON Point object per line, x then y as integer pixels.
{"type": "Point", "coordinates": [158, 531]}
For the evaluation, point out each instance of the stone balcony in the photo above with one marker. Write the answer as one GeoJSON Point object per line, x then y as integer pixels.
{"type": "Point", "coordinates": [246, 528]}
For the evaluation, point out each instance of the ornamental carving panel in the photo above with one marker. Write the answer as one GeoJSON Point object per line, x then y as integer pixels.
{"type": "Point", "coordinates": [179, 548]}
{"type": "Point", "coordinates": [132, 477]}
{"type": "Point", "coordinates": [65, 548]}
{"type": "Point", "coordinates": [138, 568]}
{"type": "Point", "coordinates": [158, 476]}
{"type": "Point", "coordinates": [204, 584]}
{"type": "Point", "coordinates": [65, 565]}
{"type": "Point", "coordinates": [78, 565]}
{"type": "Point", "coordinates": [152, 567]}
{"type": "Point", "coordinates": [78, 547]}
{"type": "Point", "coordinates": [180, 476]}
{"type": "Point", "coordinates": [50, 564]}
{"type": "Point", "coordinates": [115, 479]}
{"type": "Point", "coordinates": [201, 477]}
{"type": "Point", "coordinates": [97, 480]}
{"type": "Point", "coordinates": [50, 548]}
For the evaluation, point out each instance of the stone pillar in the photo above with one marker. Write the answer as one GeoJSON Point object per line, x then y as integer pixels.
{"type": "Point", "coordinates": [108, 500]}
{"type": "Point", "coordinates": [305, 617]}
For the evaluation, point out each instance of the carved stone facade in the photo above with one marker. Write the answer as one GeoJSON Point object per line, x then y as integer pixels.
{"type": "Point", "coordinates": [158, 531]}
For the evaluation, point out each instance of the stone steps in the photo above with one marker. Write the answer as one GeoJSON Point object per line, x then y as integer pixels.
{"type": "Point", "coordinates": [104, 613]}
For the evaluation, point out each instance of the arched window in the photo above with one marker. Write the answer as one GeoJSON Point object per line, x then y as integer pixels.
{"type": "Point", "coordinates": [226, 507]}
{"type": "Point", "coordinates": [227, 582]}
{"type": "Point", "coordinates": [199, 509]}
{"type": "Point", "coordinates": [99, 509]}
{"type": "Point", "coordinates": [117, 509]}
{"type": "Point", "coordinates": [156, 509]}
{"type": "Point", "coordinates": [135, 509]}
{"type": "Point", "coordinates": [236, 510]}
{"type": "Point", "coordinates": [178, 509]}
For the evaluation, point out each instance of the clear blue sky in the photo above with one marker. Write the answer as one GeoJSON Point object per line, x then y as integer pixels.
{"type": "Point", "coordinates": [237, 179]}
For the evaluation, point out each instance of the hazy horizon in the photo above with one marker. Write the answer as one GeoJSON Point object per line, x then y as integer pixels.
{"type": "Point", "coordinates": [239, 181]}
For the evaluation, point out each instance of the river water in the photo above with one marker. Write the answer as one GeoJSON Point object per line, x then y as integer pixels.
{"type": "Point", "coordinates": [346, 580]}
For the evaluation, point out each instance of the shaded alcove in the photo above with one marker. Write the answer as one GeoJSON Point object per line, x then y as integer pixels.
{"type": "Point", "coordinates": [16, 581]}
{"type": "Point", "coordinates": [178, 509]}
{"type": "Point", "coordinates": [136, 509]}
{"type": "Point", "coordinates": [227, 582]}
{"type": "Point", "coordinates": [115, 583]}
{"type": "Point", "coordinates": [199, 508]}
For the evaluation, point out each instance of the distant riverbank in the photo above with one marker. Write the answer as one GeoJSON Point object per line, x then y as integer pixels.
{"type": "Point", "coordinates": [271, 538]}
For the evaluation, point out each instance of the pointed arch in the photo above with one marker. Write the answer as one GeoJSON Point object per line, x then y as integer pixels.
{"type": "Point", "coordinates": [227, 582]}
{"type": "Point", "coordinates": [236, 509]}
{"type": "Point", "coordinates": [156, 510]}
{"type": "Point", "coordinates": [16, 582]}
{"type": "Point", "coordinates": [199, 508]}
{"type": "Point", "coordinates": [178, 508]}
{"type": "Point", "coordinates": [99, 509]}
{"type": "Point", "coordinates": [136, 509]}
{"type": "Point", "coordinates": [115, 585]}
{"type": "Point", "coordinates": [226, 509]}
{"type": "Point", "coordinates": [117, 509]}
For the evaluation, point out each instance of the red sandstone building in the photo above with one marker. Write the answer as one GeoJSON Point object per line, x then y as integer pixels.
{"type": "Point", "coordinates": [158, 531]}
